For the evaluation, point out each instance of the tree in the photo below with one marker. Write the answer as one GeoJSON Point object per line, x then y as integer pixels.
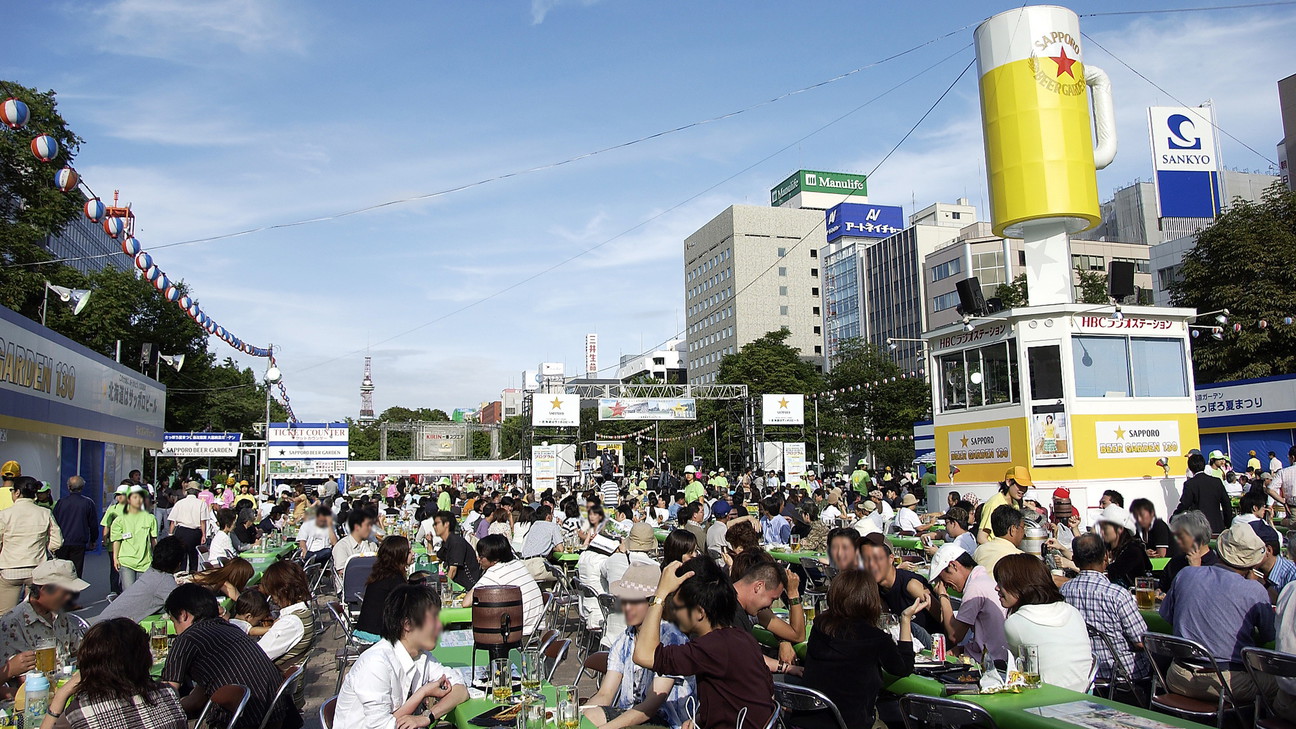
{"type": "Point", "coordinates": [887, 409]}
{"type": "Point", "coordinates": [1013, 294]}
{"type": "Point", "coordinates": [1245, 262]}
{"type": "Point", "coordinates": [1093, 287]}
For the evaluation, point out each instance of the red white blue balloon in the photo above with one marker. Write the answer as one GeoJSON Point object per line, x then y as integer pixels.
{"type": "Point", "coordinates": [14, 113]}
{"type": "Point", "coordinates": [66, 179]}
{"type": "Point", "coordinates": [114, 227]}
{"type": "Point", "coordinates": [152, 272]}
{"type": "Point", "coordinates": [95, 210]}
{"type": "Point", "coordinates": [161, 282]}
{"type": "Point", "coordinates": [184, 301]}
{"type": "Point", "coordinates": [172, 293]}
{"type": "Point", "coordinates": [131, 246]}
{"type": "Point", "coordinates": [45, 147]}
{"type": "Point", "coordinates": [143, 261]}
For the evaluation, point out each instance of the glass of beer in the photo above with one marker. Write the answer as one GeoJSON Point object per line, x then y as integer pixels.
{"type": "Point", "coordinates": [1028, 665]}
{"type": "Point", "coordinates": [531, 714]}
{"type": "Point", "coordinates": [810, 606]}
{"type": "Point", "coordinates": [795, 542]}
{"type": "Point", "coordinates": [568, 708]}
{"type": "Point", "coordinates": [501, 680]}
{"type": "Point", "coordinates": [532, 669]}
{"type": "Point", "coordinates": [1145, 592]}
{"type": "Point", "coordinates": [46, 657]}
{"type": "Point", "coordinates": [159, 641]}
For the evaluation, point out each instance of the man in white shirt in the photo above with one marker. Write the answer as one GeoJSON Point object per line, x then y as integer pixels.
{"type": "Point", "coordinates": [354, 544]}
{"type": "Point", "coordinates": [395, 677]}
{"type": "Point", "coordinates": [907, 521]}
{"type": "Point", "coordinates": [316, 538]}
{"type": "Point", "coordinates": [495, 555]}
{"type": "Point", "coordinates": [832, 507]}
{"type": "Point", "coordinates": [189, 519]}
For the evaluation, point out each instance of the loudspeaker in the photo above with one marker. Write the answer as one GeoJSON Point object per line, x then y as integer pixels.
{"type": "Point", "coordinates": [591, 451]}
{"type": "Point", "coordinates": [970, 296]}
{"type": "Point", "coordinates": [1120, 280]}
{"type": "Point", "coordinates": [993, 304]}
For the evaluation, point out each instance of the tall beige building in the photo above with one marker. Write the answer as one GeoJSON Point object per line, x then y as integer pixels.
{"type": "Point", "coordinates": [749, 271]}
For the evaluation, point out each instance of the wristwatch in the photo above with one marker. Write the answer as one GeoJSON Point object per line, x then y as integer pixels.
{"type": "Point", "coordinates": [793, 601]}
{"type": "Point", "coordinates": [653, 600]}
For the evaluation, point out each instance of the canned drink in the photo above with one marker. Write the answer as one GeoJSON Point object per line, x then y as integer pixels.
{"type": "Point", "coordinates": [938, 647]}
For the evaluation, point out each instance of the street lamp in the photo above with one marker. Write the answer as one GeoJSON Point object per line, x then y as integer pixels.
{"type": "Point", "coordinates": [78, 298]}
{"type": "Point", "coordinates": [272, 377]}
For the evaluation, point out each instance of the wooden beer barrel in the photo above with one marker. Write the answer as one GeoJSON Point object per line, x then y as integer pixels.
{"type": "Point", "coordinates": [497, 615]}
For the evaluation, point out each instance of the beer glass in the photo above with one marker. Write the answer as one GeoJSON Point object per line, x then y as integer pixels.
{"type": "Point", "coordinates": [46, 657]}
{"type": "Point", "coordinates": [1145, 592]}
{"type": "Point", "coordinates": [1028, 665]}
{"type": "Point", "coordinates": [501, 680]}
{"type": "Point", "coordinates": [568, 716]}
{"type": "Point", "coordinates": [532, 669]}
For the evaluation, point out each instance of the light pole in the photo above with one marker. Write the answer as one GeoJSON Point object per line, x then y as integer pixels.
{"type": "Point", "coordinates": [272, 378]}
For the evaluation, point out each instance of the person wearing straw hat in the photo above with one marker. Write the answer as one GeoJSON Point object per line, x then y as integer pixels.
{"type": "Point", "coordinates": [906, 519]}
{"type": "Point", "coordinates": [1224, 610]}
{"type": "Point", "coordinates": [630, 695]}
{"type": "Point", "coordinates": [43, 617]}
{"type": "Point", "coordinates": [635, 549]}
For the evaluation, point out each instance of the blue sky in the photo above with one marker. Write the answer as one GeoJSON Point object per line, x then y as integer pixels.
{"type": "Point", "coordinates": [219, 116]}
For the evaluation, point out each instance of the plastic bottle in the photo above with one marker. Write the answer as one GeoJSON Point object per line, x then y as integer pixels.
{"type": "Point", "coordinates": [37, 688]}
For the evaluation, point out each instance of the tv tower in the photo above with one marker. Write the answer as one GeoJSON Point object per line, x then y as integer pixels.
{"type": "Point", "coordinates": [366, 394]}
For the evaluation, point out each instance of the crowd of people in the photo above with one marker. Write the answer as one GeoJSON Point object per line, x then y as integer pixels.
{"type": "Point", "coordinates": [693, 571]}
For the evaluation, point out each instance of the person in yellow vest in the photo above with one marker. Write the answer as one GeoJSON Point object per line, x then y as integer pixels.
{"type": "Point", "coordinates": [860, 478]}
{"type": "Point", "coordinates": [10, 471]}
{"type": "Point", "coordinates": [720, 481]}
{"type": "Point", "coordinates": [1011, 492]}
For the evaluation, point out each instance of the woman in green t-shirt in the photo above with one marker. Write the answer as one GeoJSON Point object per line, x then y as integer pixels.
{"type": "Point", "coordinates": [132, 535]}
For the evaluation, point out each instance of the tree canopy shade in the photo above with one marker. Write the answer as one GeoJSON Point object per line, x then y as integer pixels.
{"type": "Point", "coordinates": [1245, 262]}
{"type": "Point", "coordinates": [888, 409]}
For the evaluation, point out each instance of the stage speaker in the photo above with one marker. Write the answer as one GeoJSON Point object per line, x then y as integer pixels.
{"type": "Point", "coordinates": [1120, 280]}
{"type": "Point", "coordinates": [970, 296]}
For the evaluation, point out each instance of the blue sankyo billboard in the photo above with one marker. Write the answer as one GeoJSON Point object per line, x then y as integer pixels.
{"type": "Point", "coordinates": [1186, 161]}
{"type": "Point", "coordinates": [863, 220]}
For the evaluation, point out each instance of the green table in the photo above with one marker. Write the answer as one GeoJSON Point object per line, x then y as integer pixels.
{"type": "Point", "coordinates": [661, 534]}
{"type": "Point", "coordinates": [461, 656]}
{"type": "Point", "coordinates": [261, 561]}
{"type": "Point", "coordinates": [905, 542]}
{"type": "Point", "coordinates": [795, 557]}
{"type": "Point", "coordinates": [1009, 710]}
{"type": "Point", "coordinates": [566, 556]}
{"type": "Point", "coordinates": [1159, 563]}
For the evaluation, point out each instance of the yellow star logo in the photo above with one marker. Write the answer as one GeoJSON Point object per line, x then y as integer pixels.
{"type": "Point", "coordinates": [964, 440]}
{"type": "Point", "coordinates": [1120, 433]}
{"type": "Point", "coordinates": [556, 404]}
{"type": "Point", "coordinates": [783, 403]}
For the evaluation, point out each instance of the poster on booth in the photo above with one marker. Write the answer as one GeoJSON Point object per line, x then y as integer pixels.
{"type": "Point", "coordinates": [1137, 438]}
{"type": "Point", "coordinates": [783, 409]}
{"type": "Point", "coordinates": [647, 408]}
{"type": "Point", "coordinates": [200, 445]}
{"type": "Point", "coordinates": [544, 467]}
{"type": "Point", "coordinates": [1050, 436]}
{"type": "Point", "coordinates": [555, 410]}
{"type": "Point", "coordinates": [794, 461]}
{"type": "Point", "coordinates": [980, 445]}
{"type": "Point", "coordinates": [307, 450]}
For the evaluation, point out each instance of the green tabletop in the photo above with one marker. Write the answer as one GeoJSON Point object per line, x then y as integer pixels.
{"type": "Point", "coordinates": [566, 556]}
{"type": "Point", "coordinates": [459, 656]}
{"type": "Point", "coordinates": [905, 542]}
{"type": "Point", "coordinates": [795, 557]}
{"type": "Point", "coordinates": [1159, 563]}
{"type": "Point", "coordinates": [1155, 622]}
{"type": "Point", "coordinates": [456, 615]}
{"type": "Point", "coordinates": [766, 638]}
{"type": "Point", "coordinates": [661, 534]}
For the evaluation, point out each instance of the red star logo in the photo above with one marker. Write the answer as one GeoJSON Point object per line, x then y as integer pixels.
{"type": "Point", "coordinates": [618, 409]}
{"type": "Point", "coordinates": [1064, 64]}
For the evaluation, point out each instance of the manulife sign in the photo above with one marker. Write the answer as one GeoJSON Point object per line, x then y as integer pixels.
{"type": "Point", "coordinates": [819, 190]}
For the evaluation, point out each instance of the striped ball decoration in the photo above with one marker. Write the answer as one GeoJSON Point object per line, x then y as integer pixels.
{"type": "Point", "coordinates": [193, 310]}
{"type": "Point", "coordinates": [172, 293]}
{"type": "Point", "coordinates": [45, 147]}
{"type": "Point", "coordinates": [66, 179]}
{"type": "Point", "coordinates": [161, 283]}
{"type": "Point", "coordinates": [95, 210]}
{"type": "Point", "coordinates": [114, 227]}
{"type": "Point", "coordinates": [184, 301]}
{"type": "Point", "coordinates": [143, 261]}
{"type": "Point", "coordinates": [220, 332]}
{"type": "Point", "coordinates": [131, 246]}
{"type": "Point", "coordinates": [14, 113]}
{"type": "Point", "coordinates": [151, 273]}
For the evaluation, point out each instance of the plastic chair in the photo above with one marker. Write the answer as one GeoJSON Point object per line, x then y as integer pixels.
{"type": "Point", "coordinates": [1190, 654]}
{"type": "Point", "coordinates": [232, 699]}
{"type": "Point", "coordinates": [1276, 665]}
{"type": "Point", "coordinates": [554, 654]}
{"type": "Point", "coordinates": [595, 664]}
{"type": "Point", "coordinates": [802, 699]}
{"type": "Point", "coordinates": [291, 675]}
{"type": "Point", "coordinates": [934, 712]}
{"type": "Point", "coordinates": [327, 710]}
{"type": "Point", "coordinates": [591, 637]}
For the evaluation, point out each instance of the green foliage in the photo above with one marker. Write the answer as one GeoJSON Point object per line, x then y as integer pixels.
{"type": "Point", "coordinates": [1093, 287]}
{"type": "Point", "coordinates": [888, 409]}
{"type": "Point", "coordinates": [1013, 294]}
{"type": "Point", "coordinates": [1245, 262]}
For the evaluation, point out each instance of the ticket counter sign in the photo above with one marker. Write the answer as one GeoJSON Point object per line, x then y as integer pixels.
{"type": "Point", "coordinates": [1137, 438]}
{"type": "Point", "coordinates": [980, 445]}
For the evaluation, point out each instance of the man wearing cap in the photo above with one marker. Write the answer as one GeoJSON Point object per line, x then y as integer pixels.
{"type": "Point", "coordinates": [78, 520]}
{"type": "Point", "coordinates": [27, 533]}
{"type": "Point", "coordinates": [715, 543]}
{"type": "Point", "coordinates": [867, 518]}
{"type": "Point", "coordinates": [629, 695]}
{"type": "Point", "coordinates": [189, 519]}
{"type": "Point", "coordinates": [693, 488]}
{"type": "Point", "coordinates": [9, 471]}
{"type": "Point", "coordinates": [859, 478]}
{"type": "Point", "coordinates": [1011, 492]}
{"type": "Point", "coordinates": [1253, 462]}
{"type": "Point", "coordinates": [114, 510]}
{"type": "Point", "coordinates": [1205, 492]}
{"type": "Point", "coordinates": [1278, 570]}
{"type": "Point", "coordinates": [1217, 464]}
{"type": "Point", "coordinates": [831, 511]}
{"type": "Point", "coordinates": [43, 617]}
{"type": "Point", "coordinates": [978, 624]}
{"type": "Point", "coordinates": [1220, 608]}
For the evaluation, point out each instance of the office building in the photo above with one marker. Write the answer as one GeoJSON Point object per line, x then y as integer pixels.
{"type": "Point", "coordinates": [86, 246]}
{"type": "Point", "coordinates": [665, 364]}
{"type": "Point", "coordinates": [995, 260]}
{"type": "Point", "coordinates": [511, 402]}
{"type": "Point", "coordinates": [874, 287]}
{"type": "Point", "coordinates": [749, 271]}
{"type": "Point", "coordinates": [1130, 215]}
{"type": "Point", "coordinates": [1287, 147]}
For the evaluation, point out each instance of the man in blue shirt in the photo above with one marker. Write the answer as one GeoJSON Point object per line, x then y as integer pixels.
{"type": "Point", "coordinates": [78, 518]}
{"type": "Point", "coordinates": [1277, 569]}
{"type": "Point", "coordinates": [1224, 610]}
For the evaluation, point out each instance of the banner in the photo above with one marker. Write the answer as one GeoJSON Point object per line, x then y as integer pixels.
{"type": "Point", "coordinates": [794, 460]}
{"type": "Point", "coordinates": [863, 221]}
{"type": "Point", "coordinates": [200, 445]}
{"type": "Point", "coordinates": [980, 445]}
{"type": "Point", "coordinates": [555, 410]}
{"type": "Point", "coordinates": [1185, 160]}
{"type": "Point", "coordinates": [307, 450]}
{"type": "Point", "coordinates": [638, 408]}
{"type": "Point", "coordinates": [544, 467]}
{"type": "Point", "coordinates": [783, 409]}
{"type": "Point", "coordinates": [1050, 436]}
{"type": "Point", "coordinates": [1137, 438]}
{"type": "Point", "coordinates": [307, 469]}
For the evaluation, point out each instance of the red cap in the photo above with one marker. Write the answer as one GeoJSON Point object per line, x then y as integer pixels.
{"type": "Point", "coordinates": [1061, 493]}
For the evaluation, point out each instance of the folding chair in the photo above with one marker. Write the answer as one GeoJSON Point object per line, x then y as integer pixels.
{"type": "Point", "coordinates": [1276, 665]}
{"type": "Point", "coordinates": [546, 638]}
{"type": "Point", "coordinates": [1194, 656]}
{"type": "Point", "coordinates": [595, 664]}
{"type": "Point", "coordinates": [232, 698]}
{"type": "Point", "coordinates": [553, 655]}
{"type": "Point", "coordinates": [291, 675]}
{"type": "Point", "coordinates": [351, 648]}
{"type": "Point", "coordinates": [795, 699]}
{"type": "Point", "coordinates": [1118, 678]}
{"type": "Point", "coordinates": [327, 710]}
{"type": "Point", "coordinates": [934, 712]}
{"type": "Point", "coordinates": [816, 585]}
{"type": "Point", "coordinates": [590, 637]}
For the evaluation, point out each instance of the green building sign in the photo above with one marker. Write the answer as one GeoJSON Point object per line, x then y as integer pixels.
{"type": "Point", "coordinates": [839, 183]}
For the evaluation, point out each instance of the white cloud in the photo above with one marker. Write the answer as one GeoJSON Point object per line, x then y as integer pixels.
{"type": "Point", "coordinates": [540, 8]}
{"type": "Point", "coordinates": [191, 31]}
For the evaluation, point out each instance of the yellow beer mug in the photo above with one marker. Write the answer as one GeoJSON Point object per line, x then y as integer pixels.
{"type": "Point", "coordinates": [1040, 154]}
